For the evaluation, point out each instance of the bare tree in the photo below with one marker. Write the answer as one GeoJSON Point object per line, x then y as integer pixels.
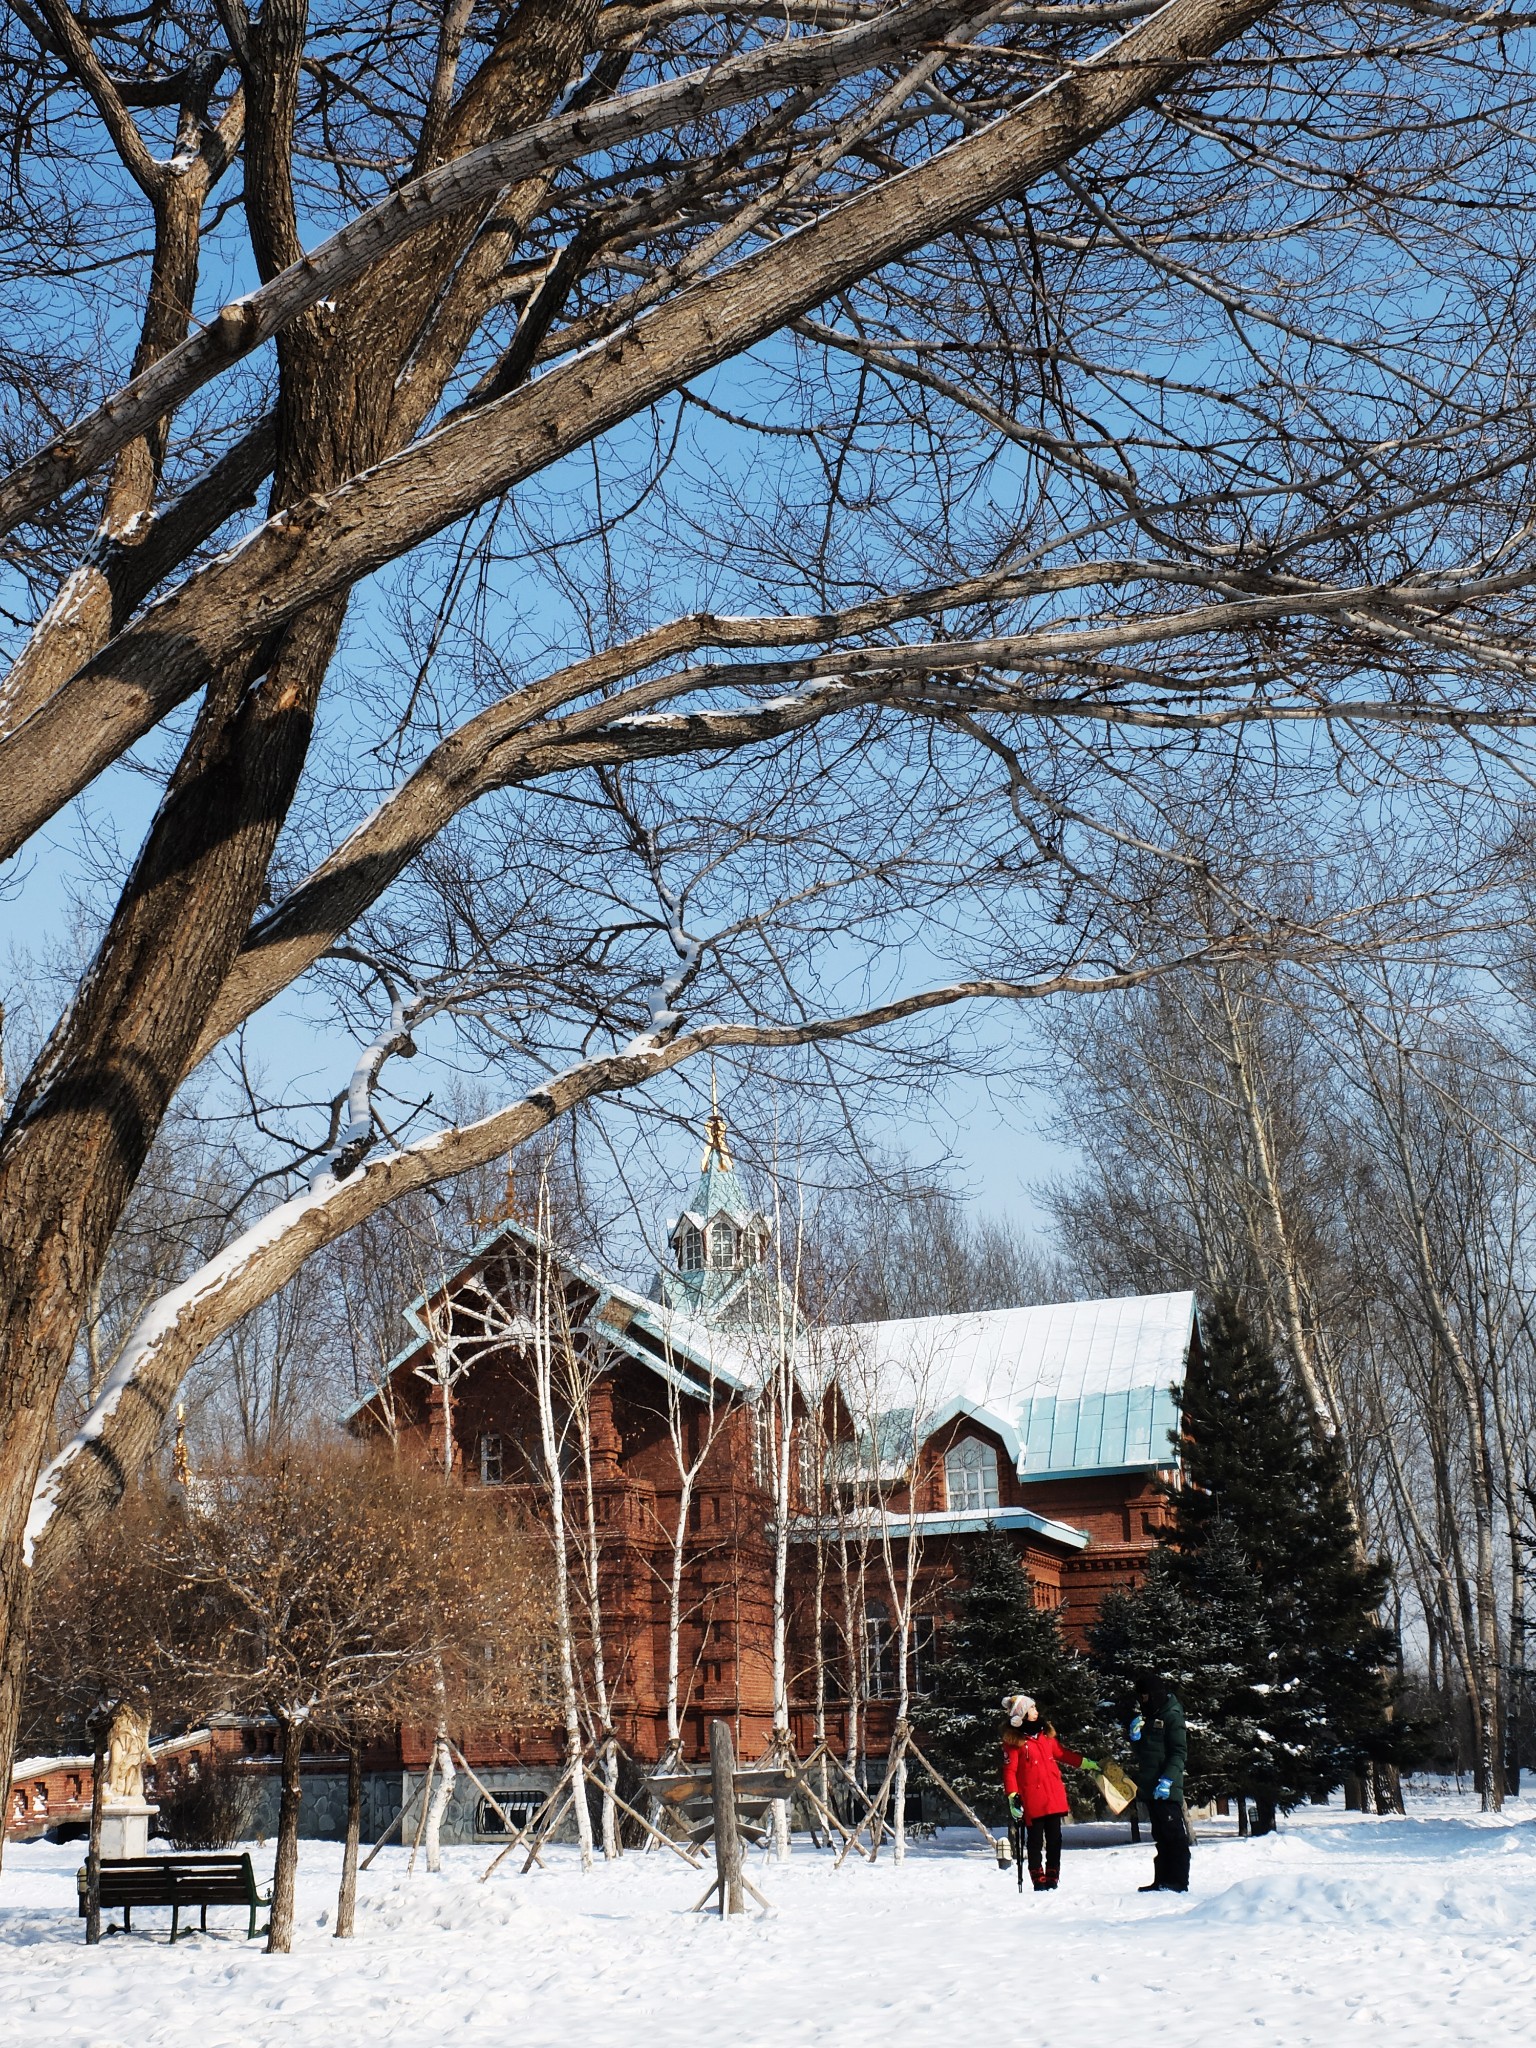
{"type": "Point", "coordinates": [320, 1585]}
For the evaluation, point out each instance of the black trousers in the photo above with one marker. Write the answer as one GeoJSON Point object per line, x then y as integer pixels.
{"type": "Point", "coordinates": [1170, 1866]}
{"type": "Point", "coordinates": [1045, 1848]}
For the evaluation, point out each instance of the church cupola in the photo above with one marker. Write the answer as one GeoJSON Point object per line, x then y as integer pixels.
{"type": "Point", "coordinates": [719, 1238]}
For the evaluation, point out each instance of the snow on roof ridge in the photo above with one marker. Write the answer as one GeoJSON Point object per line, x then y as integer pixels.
{"type": "Point", "coordinates": [1082, 1385]}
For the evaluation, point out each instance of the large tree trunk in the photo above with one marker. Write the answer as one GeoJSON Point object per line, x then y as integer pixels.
{"type": "Point", "coordinates": [88, 1113]}
{"type": "Point", "coordinates": [286, 1870]}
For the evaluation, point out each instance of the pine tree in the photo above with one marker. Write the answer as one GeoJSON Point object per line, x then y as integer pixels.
{"type": "Point", "coordinates": [1207, 1634]}
{"type": "Point", "coordinates": [1253, 1468]}
{"type": "Point", "coordinates": [998, 1642]}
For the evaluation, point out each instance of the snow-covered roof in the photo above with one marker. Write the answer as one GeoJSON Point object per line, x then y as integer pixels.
{"type": "Point", "coordinates": [1072, 1387]}
{"type": "Point", "coordinates": [677, 1346]}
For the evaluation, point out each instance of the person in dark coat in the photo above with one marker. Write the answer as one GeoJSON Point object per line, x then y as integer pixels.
{"type": "Point", "coordinates": [1158, 1753]}
{"type": "Point", "coordinates": [1037, 1795]}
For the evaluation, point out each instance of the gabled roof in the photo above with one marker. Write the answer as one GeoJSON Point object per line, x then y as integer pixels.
{"type": "Point", "coordinates": [1071, 1388]}
{"type": "Point", "coordinates": [678, 1347]}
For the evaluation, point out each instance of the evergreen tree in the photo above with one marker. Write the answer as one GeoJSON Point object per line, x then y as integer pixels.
{"type": "Point", "coordinates": [1253, 1469]}
{"type": "Point", "coordinates": [998, 1642]}
{"type": "Point", "coordinates": [1207, 1634]}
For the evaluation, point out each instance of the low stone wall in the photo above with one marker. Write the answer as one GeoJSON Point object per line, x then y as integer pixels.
{"type": "Point", "coordinates": [323, 1809]}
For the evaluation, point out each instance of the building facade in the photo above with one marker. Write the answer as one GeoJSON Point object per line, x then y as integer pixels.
{"type": "Point", "coordinates": [726, 1447]}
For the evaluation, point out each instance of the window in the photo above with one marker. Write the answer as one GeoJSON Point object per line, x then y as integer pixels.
{"type": "Point", "coordinates": [690, 1258]}
{"type": "Point", "coordinates": [722, 1243]}
{"type": "Point", "coordinates": [490, 1461]}
{"type": "Point", "coordinates": [879, 1674]}
{"type": "Point", "coordinates": [970, 1474]}
{"type": "Point", "coordinates": [805, 1453]}
{"type": "Point", "coordinates": [764, 1461]}
{"type": "Point", "coordinates": [519, 1808]}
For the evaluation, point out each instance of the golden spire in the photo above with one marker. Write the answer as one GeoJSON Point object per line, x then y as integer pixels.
{"type": "Point", "coordinates": [714, 1130]}
{"type": "Point", "coordinates": [181, 1464]}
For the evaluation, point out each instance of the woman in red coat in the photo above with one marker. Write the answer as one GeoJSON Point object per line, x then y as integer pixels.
{"type": "Point", "coordinates": [1032, 1760]}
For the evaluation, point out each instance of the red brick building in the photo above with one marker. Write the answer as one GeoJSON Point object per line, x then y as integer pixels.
{"type": "Point", "coordinates": [906, 1439]}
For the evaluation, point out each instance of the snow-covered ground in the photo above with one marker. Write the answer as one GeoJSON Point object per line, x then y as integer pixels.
{"type": "Point", "coordinates": [1340, 1928]}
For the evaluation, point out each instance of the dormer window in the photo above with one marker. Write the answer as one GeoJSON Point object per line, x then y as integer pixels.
{"type": "Point", "coordinates": [690, 1255]}
{"type": "Point", "coordinates": [970, 1474]}
{"type": "Point", "coordinates": [722, 1243]}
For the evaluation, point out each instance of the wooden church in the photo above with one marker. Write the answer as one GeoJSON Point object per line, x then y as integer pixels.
{"type": "Point", "coordinates": [712, 1446]}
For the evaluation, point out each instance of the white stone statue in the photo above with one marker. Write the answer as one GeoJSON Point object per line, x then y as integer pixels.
{"type": "Point", "coordinates": [125, 1812]}
{"type": "Point", "coordinates": [127, 1754]}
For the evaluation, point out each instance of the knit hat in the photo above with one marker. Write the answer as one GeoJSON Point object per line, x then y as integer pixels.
{"type": "Point", "coordinates": [1018, 1706]}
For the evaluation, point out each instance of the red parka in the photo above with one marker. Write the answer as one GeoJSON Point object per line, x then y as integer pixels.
{"type": "Point", "coordinates": [1031, 1774]}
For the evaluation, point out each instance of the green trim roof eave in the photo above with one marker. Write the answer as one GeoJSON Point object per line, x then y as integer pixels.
{"type": "Point", "coordinates": [1096, 1471]}
{"type": "Point", "coordinates": [944, 1522]}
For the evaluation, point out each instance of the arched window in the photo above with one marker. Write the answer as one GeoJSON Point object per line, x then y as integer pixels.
{"type": "Point", "coordinates": [722, 1243]}
{"type": "Point", "coordinates": [690, 1250]}
{"type": "Point", "coordinates": [970, 1474]}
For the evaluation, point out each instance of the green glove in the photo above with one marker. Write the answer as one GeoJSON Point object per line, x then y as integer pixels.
{"type": "Point", "coordinates": [1089, 1764]}
{"type": "Point", "coordinates": [1014, 1807]}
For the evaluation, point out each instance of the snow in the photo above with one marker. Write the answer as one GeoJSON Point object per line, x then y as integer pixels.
{"type": "Point", "coordinates": [1082, 1386]}
{"type": "Point", "coordinates": [158, 1323]}
{"type": "Point", "coordinates": [1340, 1928]}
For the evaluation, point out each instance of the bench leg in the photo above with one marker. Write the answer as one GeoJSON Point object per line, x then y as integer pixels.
{"type": "Point", "coordinates": [175, 1923]}
{"type": "Point", "coordinates": [205, 1920]}
{"type": "Point", "coordinates": [127, 1919]}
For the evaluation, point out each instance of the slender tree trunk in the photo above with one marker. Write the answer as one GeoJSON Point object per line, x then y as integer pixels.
{"type": "Point", "coordinates": [783, 1510]}
{"type": "Point", "coordinates": [442, 1792]}
{"type": "Point", "coordinates": [591, 1573]}
{"type": "Point", "coordinates": [93, 1853]}
{"type": "Point", "coordinates": [675, 1610]}
{"type": "Point", "coordinates": [286, 1870]}
{"type": "Point", "coordinates": [346, 1898]}
{"type": "Point", "coordinates": [565, 1633]}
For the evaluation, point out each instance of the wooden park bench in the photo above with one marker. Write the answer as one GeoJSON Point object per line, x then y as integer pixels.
{"type": "Point", "coordinates": [177, 1881]}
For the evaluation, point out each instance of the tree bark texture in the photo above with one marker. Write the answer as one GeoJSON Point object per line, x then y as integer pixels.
{"type": "Point", "coordinates": [93, 1851]}
{"type": "Point", "coordinates": [346, 1897]}
{"type": "Point", "coordinates": [286, 1869]}
{"type": "Point", "coordinates": [722, 1767]}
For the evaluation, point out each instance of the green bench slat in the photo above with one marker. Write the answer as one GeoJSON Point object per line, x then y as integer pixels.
{"type": "Point", "coordinates": [176, 1881]}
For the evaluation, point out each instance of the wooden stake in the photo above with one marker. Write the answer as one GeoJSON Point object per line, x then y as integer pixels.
{"type": "Point", "coordinates": [529, 1824]}
{"type": "Point", "coordinates": [548, 1829]}
{"type": "Point", "coordinates": [722, 1764]}
{"type": "Point", "coordinates": [399, 1817]}
{"type": "Point", "coordinates": [801, 1774]}
{"type": "Point", "coordinates": [624, 1806]}
{"type": "Point", "coordinates": [950, 1793]}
